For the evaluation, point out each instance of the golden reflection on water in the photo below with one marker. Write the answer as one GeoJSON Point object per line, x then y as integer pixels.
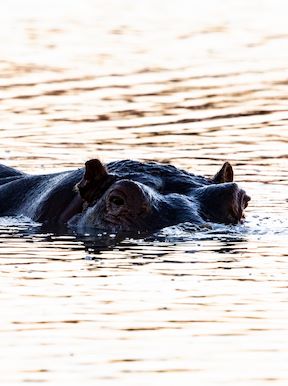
{"type": "Point", "coordinates": [187, 82]}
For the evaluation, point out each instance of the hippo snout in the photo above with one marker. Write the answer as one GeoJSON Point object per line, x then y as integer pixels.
{"type": "Point", "coordinates": [223, 203]}
{"type": "Point", "coordinates": [238, 204]}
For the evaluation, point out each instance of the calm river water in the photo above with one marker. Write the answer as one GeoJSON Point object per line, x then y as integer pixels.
{"type": "Point", "coordinates": [193, 83]}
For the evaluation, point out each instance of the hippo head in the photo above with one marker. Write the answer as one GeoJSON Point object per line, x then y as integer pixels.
{"type": "Point", "coordinates": [116, 203]}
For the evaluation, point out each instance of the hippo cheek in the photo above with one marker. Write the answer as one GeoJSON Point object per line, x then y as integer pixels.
{"type": "Point", "coordinates": [126, 205]}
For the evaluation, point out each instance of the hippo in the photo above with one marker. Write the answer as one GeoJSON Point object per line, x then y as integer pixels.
{"type": "Point", "coordinates": [123, 196]}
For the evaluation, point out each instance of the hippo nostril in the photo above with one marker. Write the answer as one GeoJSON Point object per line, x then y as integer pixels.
{"type": "Point", "coordinates": [116, 200]}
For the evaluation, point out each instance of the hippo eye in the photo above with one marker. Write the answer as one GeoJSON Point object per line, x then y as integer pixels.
{"type": "Point", "coordinates": [116, 200]}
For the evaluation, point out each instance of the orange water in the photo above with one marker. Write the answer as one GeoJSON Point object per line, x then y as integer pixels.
{"type": "Point", "coordinates": [187, 82]}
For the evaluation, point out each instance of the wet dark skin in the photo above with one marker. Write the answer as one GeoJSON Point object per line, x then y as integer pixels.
{"type": "Point", "coordinates": [124, 195]}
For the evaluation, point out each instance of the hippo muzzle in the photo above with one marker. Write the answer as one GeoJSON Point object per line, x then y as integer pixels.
{"type": "Point", "coordinates": [224, 203]}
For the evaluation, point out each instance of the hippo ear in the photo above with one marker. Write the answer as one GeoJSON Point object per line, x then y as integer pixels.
{"type": "Point", "coordinates": [94, 170]}
{"type": "Point", "coordinates": [225, 174]}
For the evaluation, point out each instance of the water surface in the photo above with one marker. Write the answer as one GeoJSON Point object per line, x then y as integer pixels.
{"type": "Point", "coordinates": [189, 83]}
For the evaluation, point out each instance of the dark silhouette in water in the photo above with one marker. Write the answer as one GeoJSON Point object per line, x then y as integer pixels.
{"type": "Point", "coordinates": [123, 196]}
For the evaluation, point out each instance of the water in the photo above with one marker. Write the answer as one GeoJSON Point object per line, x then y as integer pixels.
{"type": "Point", "coordinates": [187, 82]}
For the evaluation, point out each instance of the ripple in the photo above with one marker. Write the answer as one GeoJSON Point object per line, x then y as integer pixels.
{"type": "Point", "coordinates": [188, 83]}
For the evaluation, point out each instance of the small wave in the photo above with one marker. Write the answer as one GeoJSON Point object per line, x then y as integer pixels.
{"type": "Point", "coordinates": [267, 225]}
{"type": "Point", "coordinates": [257, 225]}
{"type": "Point", "coordinates": [187, 231]}
{"type": "Point", "coordinates": [13, 224]}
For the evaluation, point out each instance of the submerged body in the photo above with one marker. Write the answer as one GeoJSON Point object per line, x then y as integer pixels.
{"type": "Point", "coordinates": [123, 196]}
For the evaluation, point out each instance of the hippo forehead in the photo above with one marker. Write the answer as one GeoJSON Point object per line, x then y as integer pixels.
{"type": "Point", "coordinates": [162, 178]}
